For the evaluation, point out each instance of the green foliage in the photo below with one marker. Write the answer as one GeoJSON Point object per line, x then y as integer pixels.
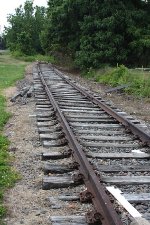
{"type": "Point", "coordinates": [139, 81]}
{"type": "Point", "coordinates": [89, 74]}
{"type": "Point", "coordinates": [2, 42]}
{"type": "Point", "coordinates": [108, 34]}
{"type": "Point", "coordinates": [4, 115]}
{"type": "Point", "coordinates": [99, 32]}
{"type": "Point", "coordinates": [62, 27]}
{"type": "Point", "coordinates": [91, 32]}
{"type": "Point", "coordinates": [9, 73]}
{"type": "Point", "coordinates": [2, 212]}
{"type": "Point", "coordinates": [3, 143]}
{"type": "Point", "coordinates": [38, 57]}
{"type": "Point", "coordinates": [31, 58]}
{"type": "Point", "coordinates": [7, 175]}
{"type": "Point", "coordinates": [23, 34]}
{"type": "Point", "coordinates": [116, 76]}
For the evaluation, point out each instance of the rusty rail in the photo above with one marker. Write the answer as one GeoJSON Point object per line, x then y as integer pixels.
{"type": "Point", "coordinates": [104, 210]}
{"type": "Point", "coordinates": [143, 136]}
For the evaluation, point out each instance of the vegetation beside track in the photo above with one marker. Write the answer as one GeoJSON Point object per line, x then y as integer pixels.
{"type": "Point", "coordinates": [138, 80]}
{"type": "Point", "coordinates": [33, 58]}
{"type": "Point", "coordinates": [11, 70]}
{"type": "Point", "coordinates": [92, 33]}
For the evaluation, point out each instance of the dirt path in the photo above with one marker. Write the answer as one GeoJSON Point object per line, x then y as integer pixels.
{"type": "Point", "coordinates": [25, 202]}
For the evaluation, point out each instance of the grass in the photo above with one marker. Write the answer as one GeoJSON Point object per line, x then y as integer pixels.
{"type": "Point", "coordinates": [9, 74]}
{"type": "Point", "coordinates": [38, 58]}
{"type": "Point", "coordinates": [139, 81]}
{"type": "Point", "coordinates": [33, 58]}
{"type": "Point", "coordinates": [10, 71]}
{"type": "Point", "coordinates": [4, 116]}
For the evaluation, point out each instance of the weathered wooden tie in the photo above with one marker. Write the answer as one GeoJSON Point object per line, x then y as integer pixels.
{"type": "Point", "coordinates": [127, 180]}
{"type": "Point", "coordinates": [119, 155]}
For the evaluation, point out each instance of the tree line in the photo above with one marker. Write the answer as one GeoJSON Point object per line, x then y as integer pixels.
{"type": "Point", "coordinates": [2, 42]}
{"type": "Point", "coordinates": [92, 32]}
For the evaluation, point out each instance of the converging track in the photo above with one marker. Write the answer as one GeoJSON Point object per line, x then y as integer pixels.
{"type": "Point", "coordinates": [110, 150]}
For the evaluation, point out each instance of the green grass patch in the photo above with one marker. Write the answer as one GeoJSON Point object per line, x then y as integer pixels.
{"type": "Point", "coordinates": [33, 58]}
{"type": "Point", "coordinates": [4, 116]}
{"type": "Point", "coordinates": [9, 74]}
{"type": "Point", "coordinates": [139, 81]}
{"type": "Point", "coordinates": [8, 177]}
{"type": "Point", "coordinates": [38, 58]}
{"type": "Point", "coordinates": [11, 70]}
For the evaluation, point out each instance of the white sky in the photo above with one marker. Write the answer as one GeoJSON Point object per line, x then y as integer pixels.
{"type": "Point", "coordinates": [9, 6]}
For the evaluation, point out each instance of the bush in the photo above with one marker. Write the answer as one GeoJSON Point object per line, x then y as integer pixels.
{"type": "Point", "coordinates": [33, 58]}
{"type": "Point", "coordinates": [139, 83]}
{"type": "Point", "coordinates": [116, 76]}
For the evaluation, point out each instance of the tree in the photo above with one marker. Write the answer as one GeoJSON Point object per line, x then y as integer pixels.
{"type": "Point", "coordinates": [99, 31]}
{"type": "Point", "coordinates": [2, 42]}
{"type": "Point", "coordinates": [26, 24]}
{"type": "Point", "coordinates": [114, 32]}
{"type": "Point", "coordinates": [92, 32]}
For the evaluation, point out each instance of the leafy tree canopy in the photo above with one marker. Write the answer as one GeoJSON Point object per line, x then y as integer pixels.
{"type": "Point", "coordinates": [92, 32]}
{"type": "Point", "coordinates": [100, 31]}
{"type": "Point", "coordinates": [26, 24]}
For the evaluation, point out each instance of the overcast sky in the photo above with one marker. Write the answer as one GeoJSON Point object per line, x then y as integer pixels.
{"type": "Point", "coordinates": [8, 7]}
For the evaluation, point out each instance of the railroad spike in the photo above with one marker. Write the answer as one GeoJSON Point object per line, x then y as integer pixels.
{"type": "Point", "coordinates": [78, 177]}
{"type": "Point", "coordinates": [128, 131]}
{"type": "Point", "coordinates": [95, 218]}
{"type": "Point", "coordinates": [112, 200]}
{"type": "Point", "coordinates": [86, 196]}
{"type": "Point", "coordinates": [67, 152]}
{"type": "Point", "coordinates": [143, 144]}
{"type": "Point", "coordinates": [74, 165]}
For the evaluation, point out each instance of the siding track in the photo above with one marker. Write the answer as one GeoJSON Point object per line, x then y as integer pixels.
{"type": "Point", "coordinates": [108, 147]}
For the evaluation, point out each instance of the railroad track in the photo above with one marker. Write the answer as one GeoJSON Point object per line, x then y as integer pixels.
{"type": "Point", "coordinates": [110, 150]}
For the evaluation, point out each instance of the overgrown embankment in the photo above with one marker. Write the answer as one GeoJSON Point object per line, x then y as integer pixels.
{"type": "Point", "coordinates": [11, 70]}
{"type": "Point", "coordinates": [138, 81]}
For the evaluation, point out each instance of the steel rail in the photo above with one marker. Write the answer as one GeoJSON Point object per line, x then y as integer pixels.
{"type": "Point", "coordinates": [100, 199]}
{"type": "Point", "coordinates": [142, 135]}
